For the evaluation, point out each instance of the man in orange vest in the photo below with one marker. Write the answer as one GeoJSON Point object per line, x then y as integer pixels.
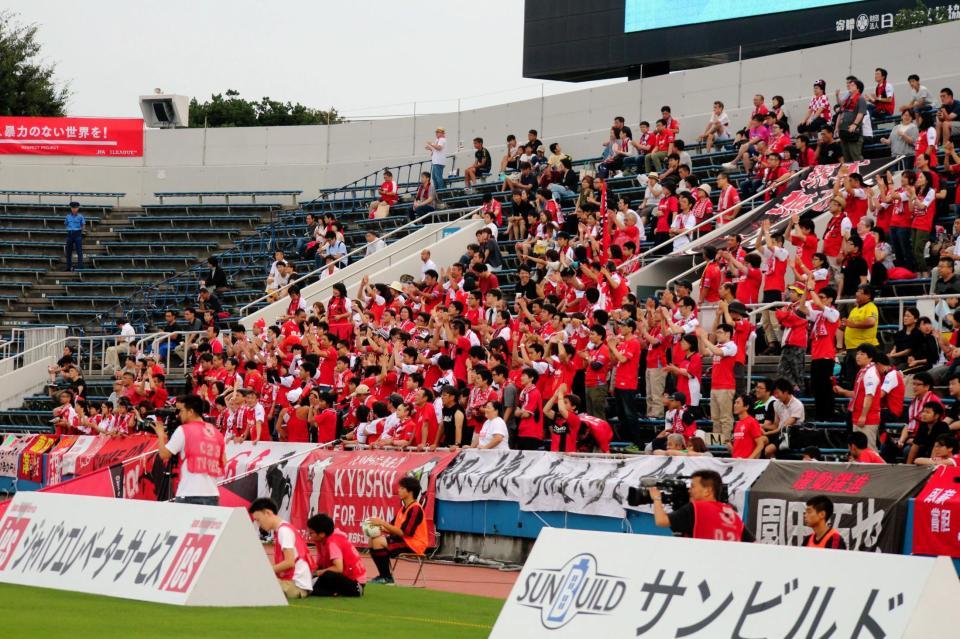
{"type": "Point", "coordinates": [705, 516]}
{"type": "Point", "coordinates": [817, 516]}
{"type": "Point", "coordinates": [292, 562]}
{"type": "Point", "coordinates": [202, 453]}
{"type": "Point", "coordinates": [407, 533]}
{"type": "Point", "coordinates": [340, 570]}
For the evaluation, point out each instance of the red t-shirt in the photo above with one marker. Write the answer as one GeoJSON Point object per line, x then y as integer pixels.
{"type": "Point", "coordinates": [748, 288]}
{"type": "Point", "coordinates": [328, 362]}
{"type": "Point", "coordinates": [722, 377]}
{"type": "Point", "coordinates": [710, 283]}
{"type": "Point", "coordinates": [326, 423]}
{"type": "Point", "coordinates": [745, 435]}
{"type": "Point", "coordinates": [563, 433]}
{"type": "Point", "coordinates": [627, 374]}
{"type": "Point", "coordinates": [868, 456]}
{"type": "Point", "coordinates": [597, 376]}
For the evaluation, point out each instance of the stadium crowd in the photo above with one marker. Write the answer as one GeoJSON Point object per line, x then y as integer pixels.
{"type": "Point", "coordinates": [445, 358]}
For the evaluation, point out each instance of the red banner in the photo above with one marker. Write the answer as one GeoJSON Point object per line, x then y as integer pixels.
{"type": "Point", "coordinates": [352, 486]}
{"type": "Point", "coordinates": [114, 451]}
{"type": "Point", "coordinates": [108, 137]}
{"type": "Point", "coordinates": [55, 459]}
{"type": "Point", "coordinates": [936, 514]}
{"type": "Point", "coordinates": [31, 460]}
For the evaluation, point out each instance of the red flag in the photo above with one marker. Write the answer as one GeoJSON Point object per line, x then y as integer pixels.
{"type": "Point", "coordinates": [605, 255]}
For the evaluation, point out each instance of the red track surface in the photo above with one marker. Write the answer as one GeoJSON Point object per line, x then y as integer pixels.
{"type": "Point", "coordinates": [469, 580]}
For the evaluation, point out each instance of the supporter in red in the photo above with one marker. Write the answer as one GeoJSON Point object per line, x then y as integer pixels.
{"type": "Point", "coordinates": [597, 359]}
{"type": "Point", "coordinates": [748, 439]}
{"type": "Point", "coordinates": [655, 375]}
{"type": "Point", "coordinates": [723, 384]}
{"type": "Point", "coordinates": [833, 234]}
{"type": "Point", "coordinates": [860, 450]}
{"type": "Point", "coordinates": [202, 453]}
{"type": "Point", "coordinates": [806, 156]}
{"type": "Point", "coordinates": [803, 235]}
{"type": "Point", "coordinates": [818, 111]}
{"type": "Point", "coordinates": [728, 200]}
{"type": "Point", "coordinates": [747, 275]}
{"type": "Point", "coordinates": [322, 416]}
{"type": "Point", "coordinates": [774, 270]}
{"type": "Point", "coordinates": [626, 352]}
{"type": "Point", "coordinates": [340, 571]}
{"type": "Point", "coordinates": [254, 420]}
{"type": "Point", "coordinates": [774, 177]}
{"type": "Point", "coordinates": [562, 409]}
{"type": "Point", "coordinates": [865, 401]}
{"type": "Point", "coordinates": [712, 277]}
{"type": "Point", "coordinates": [881, 102]}
{"type": "Point", "coordinates": [736, 315]}
{"type": "Point", "coordinates": [793, 320]}
{"type": "Point", "coordinates": [825, 320]}
{"type": "Point", "coordinates": [388, 193]}
{"type": "Point", "coordinates": [921, 193]}
{"type": "Point", "coordinates": [705, 517]}
{"type": "Point", "coordinates": [849, 186]}
{"type": "Point", "coordinates": [529, 411]}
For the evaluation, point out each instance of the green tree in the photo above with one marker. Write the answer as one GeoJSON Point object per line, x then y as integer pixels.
{"type": "Point", "coordinates": [919, 16]}
{"type": "Point", "coordinates": [229, 109]}
{"type": "Point", "coordinates": [27, 86]}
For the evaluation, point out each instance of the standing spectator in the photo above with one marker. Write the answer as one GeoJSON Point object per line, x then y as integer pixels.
{"type": "Point", "coordinates": [598, 361]}
{"type": "Point", "coordinates": [74, 222]}
{"type": "Point", "coordinates": [865, 400]}
{"type": "Point", "coordinates": [903, 137]}
{"type": "Point", "coordinates": [825, 320]}
{"type": "Point", "coordinates": [529, 410]}
{"type": "Point", "coordinates": [921, 195]}
{"type": "Point", "coordinates": [919, 95]}
{"type": "Point", "coordinates": [723, 384]}
{"type": "Point", "coordinates": [111, 358]}
{"type": "Point", "coordinates": [793, 319]}
{"type": "Point", "coordinates": [626, 352]}
{"type": "Point", "coordinates": [947, 122]}
{"type": "Point", "coordinates": [818, 111]}
{"type": "Point", "coordinates": [881, 101]}
{"type": "Point", "coordinates": [480, 167]}
{"type": "Point", "coordinates": [718, 127]}
{"type": "Point", "coordinates": [748, 440]}
{"type": "Point", "coordinates": [426, 198]}
{"type": "Point", "coordinates": [438, 157]}
{"type": "Point", "coordinates": [829, 151]}
{"type": "Point", "coordinates": [860, 327]}
{"type": "Point", "coordinates": [850, 122]}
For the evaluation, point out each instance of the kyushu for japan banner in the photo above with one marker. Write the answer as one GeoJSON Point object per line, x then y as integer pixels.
{"type": "Point", "coordinates": [936, 514]}
{"type": "Point", "coordinates": [869, 502]}
{"type": "Point", "coordinates": [552, 482]}
{"type": "Point", "coordinates": [108, 137]}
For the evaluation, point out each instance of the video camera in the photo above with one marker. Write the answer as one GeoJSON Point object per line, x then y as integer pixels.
{"type": "Point", "coordinates": [674, 488]}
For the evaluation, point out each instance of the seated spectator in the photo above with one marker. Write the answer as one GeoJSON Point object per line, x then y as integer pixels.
{"type": "Point", "coordinates": [903, 137]}
{"type": "Point", "coordinates": [216, 278]}
{"type": "Point", "coordinates": [509, 161]}
{"type": "Point", "coordinates": [340, 571]}
{"type": "Point", "coordinates": [480, 167]}
{"type": "Point", "coordinates": [426, 199]}
{"type": "Point", "coordinates": [526, 181]}
{"type": "Point", "coordinates": [818, 111]}
{"type": "Point", "coordinates": [374, 243]}
{"type": "Point", "coordinates": [718, 128]}
{"type": "Point", "coordinates": [292, 562]}
{"type": "Point", "coordinates": [919, 96]}
{"type": "Point", "coordinates": [860, 451]}
{"type": "Point", "coordinates": [660, 142]}
{"type": "Point", "coordinates": [948, 123]}
{"type": "Point", "coordinates": [756, 140]}
{"type": "Point", "coordinates": [943, 452]}
{"type": "Point", "coordinates": [829, 151]}
{"type": "Point", "coordinates": [308, 236]}
{"type": "Point", "coordinates": [387, 196]}
{"type": "Point", "coordinates": [642, 144]}
{"type": "Point", "coordinates": [788, 413]}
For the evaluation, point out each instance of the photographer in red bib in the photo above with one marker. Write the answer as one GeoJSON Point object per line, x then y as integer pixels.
{"type": "Point", "coordinates": [203, 454]}
{"type": "Point", "coordinates": [705, 516]}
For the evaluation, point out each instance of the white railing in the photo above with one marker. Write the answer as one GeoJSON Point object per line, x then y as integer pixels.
{"type": "Point", "coordinates": [91, 350]}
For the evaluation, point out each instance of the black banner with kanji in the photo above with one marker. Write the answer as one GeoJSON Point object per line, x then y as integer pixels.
{"type": "Point", "coordinates": [869, 501]}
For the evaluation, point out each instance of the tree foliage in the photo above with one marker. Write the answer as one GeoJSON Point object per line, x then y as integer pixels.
{"type": "Point", "coordinates": [27, 86]}
{"type": "Point", "coordinates": [229, 109]}
{"type": "Point", "coordinates": [919, 16]}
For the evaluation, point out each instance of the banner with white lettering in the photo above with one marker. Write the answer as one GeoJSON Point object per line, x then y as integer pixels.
{"type": "Point", "coordinates": [869, 502]}
{"type": "Point", "coordinates": [589, 584]}
{"type": "Point", "coordinates": [168, 553]}
{"type": "Point", "coordinates": [542, 481]}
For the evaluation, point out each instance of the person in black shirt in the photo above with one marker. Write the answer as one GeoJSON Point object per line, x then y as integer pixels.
{"type": "Point", "coordinates": [925, 352]}
{"type": "Point", "coordinates": [490, 249]}
{"type": "Point", "coordinates": [532, 140]}
{"type": "Point", "coordinates": [520, 207]}
{"type": "Point", "coordinates": [207, 301]}
{"type": "Point", "coordinates": [216, 278]}
{"type": "Point", "coordinates": [854, 272]}
{"type": "Point", "coordinates": [526, 287]}
{"type": "Point", "coordinates": [762, 410]}
{"type": "Point", "coordinates": [480, 167]}
{"type": "Point", "coordinates": [65, 360]}
{"type": "Point", "coordinates": [526, 182]}
{"type": "Point", "coordinates": [828, 150]}
{"type": "Point", "coordinates": [456, 433]}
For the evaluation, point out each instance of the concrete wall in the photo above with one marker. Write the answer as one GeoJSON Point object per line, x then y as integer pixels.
{"type": "Point", "coordinates": [313, 157]}
{"type": "Point", "coordinates": [26, 380]}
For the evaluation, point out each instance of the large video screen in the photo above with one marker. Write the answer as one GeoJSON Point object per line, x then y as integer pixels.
{"type": "Point", "coordinates": [644, 15]}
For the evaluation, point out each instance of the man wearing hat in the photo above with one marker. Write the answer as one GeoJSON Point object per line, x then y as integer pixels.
{"type": "Point", "coordinates": [793, 321]}
{"type": "Point", "coordinates": [438, 157]}
{"type": "Point", "coordinates": [74, 223]}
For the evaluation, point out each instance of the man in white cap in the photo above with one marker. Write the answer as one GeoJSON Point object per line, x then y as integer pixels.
{"type": "Point", "coordinates": [438, 157]}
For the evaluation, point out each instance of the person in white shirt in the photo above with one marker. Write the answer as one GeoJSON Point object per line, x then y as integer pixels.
{"type": "Point", "coordinates": [718, 128]}
{"type": "Point", "coordinates": [291, 556]}
{"type": "Point", "coordinates": [374, 243]}
{"type": "Point", "coordinates": [427, 264]}
{"type": "Point", "coordinates": [438, 157]}
{"type": "Point", "coordinates": [493, 434]}
{"type": "Point", "coordinates": [683, 221]}
{"type": "Point", "coordinates": [111, 359]}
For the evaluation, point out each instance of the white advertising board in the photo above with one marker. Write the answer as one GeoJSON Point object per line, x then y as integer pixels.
{"type": "Point", "coordinates": [161, 552]}
{"type": "Point", "coordinates": [590, 584]}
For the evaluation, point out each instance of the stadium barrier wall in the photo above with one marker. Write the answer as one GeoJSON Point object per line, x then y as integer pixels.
{"type": "Point", "coordinates": [318, 156]}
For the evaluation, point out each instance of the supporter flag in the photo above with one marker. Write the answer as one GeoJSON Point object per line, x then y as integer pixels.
{"type": "Point", "coordinates": [31, 459]}
{"type": "Point", "coordinates": [936, 514]}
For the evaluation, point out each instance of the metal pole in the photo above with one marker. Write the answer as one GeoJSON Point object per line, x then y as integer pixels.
{"type": "Point", "coordinates": [739, 76]}
{"type": "Point", "coordinates": [541, 110]}
{"type": "Point", "coordinates": [204, 161]}
{"type": "Point", "coordinates": [328, 134]}
{"type": "Point", "coordinates": [413, 150]}
{"type": "Point", "coordinates": [850, 65]}
{"type": "Point", "coordinates": [640, 106]}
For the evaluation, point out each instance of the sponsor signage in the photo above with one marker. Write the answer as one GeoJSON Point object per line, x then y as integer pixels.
{"type": "Point", "coordinates": [161, 552]}
{"type": "Point", "coordinates": [580, 584]}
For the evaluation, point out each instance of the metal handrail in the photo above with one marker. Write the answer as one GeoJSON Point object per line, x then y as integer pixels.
{"type": "Point", "coordinates": [699, 265]}
{"type": "Point", "coordinates": [244, 310]}
{"type": "Point", "coordinates": [100, 343]}
{"type": "Point", "coordinates": [716, 216]}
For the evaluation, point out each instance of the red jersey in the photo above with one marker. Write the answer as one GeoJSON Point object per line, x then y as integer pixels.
{"type": "Point", "coordinates": [627, 374]}
{"type": "Point", "coordinates": [532, 426]}
{"type": "Point", "coordinates": [563, 433]}
{"type": "Point", "coordinates": [722, 376]}
{"type": "Point", "coordinates": [710, 283]}
{"type": "Point", "coordinates": [716, 520]}
{"type": "Point", "coordinates": [597, 375]}
{"type": "Point", "coordinates": [746, 432]}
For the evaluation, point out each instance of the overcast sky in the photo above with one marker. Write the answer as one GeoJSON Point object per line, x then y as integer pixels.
{"type": "Point", "coordinates": [364, 58]}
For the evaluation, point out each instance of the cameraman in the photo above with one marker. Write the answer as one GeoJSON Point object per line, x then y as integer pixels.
{"type": "Point", "coordinates": [704, 517]}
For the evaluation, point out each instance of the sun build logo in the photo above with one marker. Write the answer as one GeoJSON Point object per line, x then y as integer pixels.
{"type": "Point", "coordinates": [576, 588]}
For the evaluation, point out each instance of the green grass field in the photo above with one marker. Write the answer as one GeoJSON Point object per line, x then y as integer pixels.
{"type": "Point", "coordinates": [384, 611]}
